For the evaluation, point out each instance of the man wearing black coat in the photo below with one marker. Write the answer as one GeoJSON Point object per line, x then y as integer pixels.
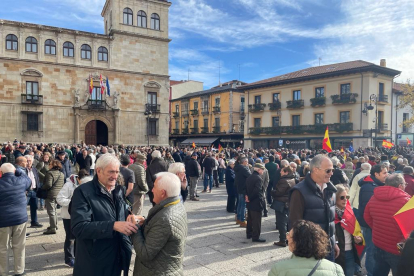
{"type": "Point", "coordinates": [242, 172]}
{"type": "Point", "coordinates": [66, 168]}
{"type": "Point", "coordinates": [33, 174]}
{"type": "Point", "coordinates": [98, 217]}
{"type": "Point", "coordinates": [255, 203]}
{"type": "Point", "coordinates": [191, 168]}
{"type": "Point", "coordinates": [177, 157]}
{"type": "Point", "coordinates": [157, 165]}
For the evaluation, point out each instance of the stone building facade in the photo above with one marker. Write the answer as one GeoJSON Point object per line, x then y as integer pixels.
{"type": "Point", "coordinates": [46, 74]}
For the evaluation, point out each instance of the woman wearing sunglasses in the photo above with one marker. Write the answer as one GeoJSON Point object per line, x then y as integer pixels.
{"type": "Point", "coordinates": [348, 255]}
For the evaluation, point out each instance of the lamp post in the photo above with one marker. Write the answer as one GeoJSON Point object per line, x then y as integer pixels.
{"type": "Point", "coordinates": [148, 114]}
{"type": "Point", "coordinates": [373, 99]}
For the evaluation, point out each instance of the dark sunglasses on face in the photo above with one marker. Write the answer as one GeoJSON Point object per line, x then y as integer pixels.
{"type": "Point", "coordinates": [328, 170]}
{"type": "Point", "coordinates": [343, 197]}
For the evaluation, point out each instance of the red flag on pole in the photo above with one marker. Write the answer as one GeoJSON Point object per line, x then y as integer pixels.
{"type": "Point", "coordinates": [408, 142]}
{"type": "Point", "coordinates": [326, 143]}
{"type": "Point", "coordinates": [404, 218]}
{"type": "Point", "coordinates": [90, 84]}
{"type": "Point", "coordinates": [101, 84]}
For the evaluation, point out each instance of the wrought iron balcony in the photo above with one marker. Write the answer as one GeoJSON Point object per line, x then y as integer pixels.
{"type": "Point", "coordinates": [176, 131]}
{"type": "Point", "coordinates": [184, 113]}
{"type": "Point", "coordinates": [96, 104]}
{"type": "Point", "coordinates": [242, 109]}
{"type": "Point", "coordinates": [319, 101]}
{"type": "Point", "coordinates": [184, 131]}
{"type": "Point", "coordinates": [216, 129]}
{"type": "Point", "coordinates": [275, 106]}
{"type": "Point", "coordinates": [204, 130]}
{"type": "Point", "coordinates": [347, 98]}
{"type": "Point", "coordinates": [216, 109]}
{"type": "Point", "coordinates": [295, 104]}
{"type": "Point", "coordinates": [176, 114]}
{"type": "Point", "coordinates": [32, 99]}
{"type": "Point", "coordinates": [383, 99]}
{"type": "Point", "coordinates": [309, 129]}
{"type": "Point", "coordinates": [194, 112]}
{"type": "Point", "coordinates": [194, 130]}
{"type": "Point", "coordinates": [154, 108]}
{"type": "Point", "coordinates": [257, 107]}
{"type": "Point", "coordinates": [205, 111]}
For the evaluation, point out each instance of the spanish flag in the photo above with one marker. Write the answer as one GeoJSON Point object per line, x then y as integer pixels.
{"type": "Point", "coordinates": [342, 149]}
{"type": "Point", "coordinates": [404, 218]}
{"type": "Point", "coordinates": [326, 144]}
{"type": "Point", "coordinates": [101, 83]}
{"type": "Point", "coordinates": [387, 144]}
{"type": "Point", "coordinates": [90, 84]}
{"type": "Point", "coordinates": [351, 224]}
{"type": "Point", "coordinates": [220, 148]}
{"type": "Point", "coordinates": [408, 142]}
{"type": "Point", "coordinates": [193, 145]}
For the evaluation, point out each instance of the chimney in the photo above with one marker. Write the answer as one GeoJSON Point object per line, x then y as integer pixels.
{"type": "Point", "coordinates": [383, 62]}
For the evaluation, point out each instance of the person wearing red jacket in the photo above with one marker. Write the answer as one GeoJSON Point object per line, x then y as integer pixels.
{"type": "Point", "coordinates": [409, 179]}
{"type": "Point", "coordinates": [379, 215]}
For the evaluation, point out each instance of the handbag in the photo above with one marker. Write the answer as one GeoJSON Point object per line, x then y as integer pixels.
{"type": "Point", "coordinates": [315, 268]}
{"type": "Point", "coordinates": [278, 206]}
{"type": "Point", "coordinates": [42, 193]}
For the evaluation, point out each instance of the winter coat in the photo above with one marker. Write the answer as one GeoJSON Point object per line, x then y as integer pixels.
{"type": "Point", "coordinates": [100, 251]}
{"type": "Point", "coordinates": [209, 164]}
{"type": "Point", "coordinates": [191, 168]}
{"type": "Point", "coordinates": [300, 266]}
{"type": "Point", "coordinates": [265, 177]}
{"type": "Point", "coordinates": [140, 185]}
{"type": "Point", "coordinates": [13, 187]}
{"type": "Point", "coordinates": [409, 179]}
{"type": "Point", "coordinates": [66, 168]}
{"type": "Point", "coordinates": [157, 165]}
{"type": "Point", "coordinates": [254, 192]}
{"type": "Point", "coordinates": [242, 173]}
{"type": "Point", "coordinates": [338, 176]}
{"type": "Point", "coordinates": [177, 157]}
{"type": "Point", "coordinates": [280, 191]}
{"type": "Point", "coordinates": [354, 190]}
{"type": "Point", "coordinates": [54, 180]}
{"type": "Point", "coordinates": [42, 168]}
{"type": "Point", "coordinates": [65, 194]}
{"type": "Point", "coordinates": [159, 244]}
{"type": "Point", "coordinates": [271, 167]}
{"type": "Point", "coordinates": [367, 184]}
{"type": "Point", "coordinates": [85, 163]}
{"type": "Point", "coordinates": [379, 215]}
{"type": "Point", "coordinates": [230, 175]}
{"type": "Point", "coordinates": [169, 161]}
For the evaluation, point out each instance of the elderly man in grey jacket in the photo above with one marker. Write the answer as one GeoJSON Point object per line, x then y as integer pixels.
{"type": "Point", "coordinates": [140, 185]}
{"type": "Point", "coordinates": [160, 240]}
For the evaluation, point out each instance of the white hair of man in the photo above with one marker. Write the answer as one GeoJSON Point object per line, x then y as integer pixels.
{"type": "Point", "coordinates": [400, 160]}
{"type": "Point", "coordinates": [293, 164]}
{"type": "Point", "coordinates": [317, 161]}
{"type": "Point", "coordinates": [304, 163]}
{"type": "Point", "coordinates": [366, 166]}
{"type": "Point", "coordinates": [137, 152]}
{"type": "Point", "coordinates": [231, 161]}
{"type": "Point", "coordinates": [335, 161]}
{"type": "Point", "coordinates": [111, 151]}
{"type": "Point", "coordinates": [284, 163]}
{"type": "Point", "coordinates": [105, 160]}
{"type": "Point", "coordinates": [156, 154]}
{"type": "Point", "coordinates": [361, 159]}
{"type": "Point", "coordinates": [176, 168]}
{"type": "Point", "coordinates": [7, 168]}
{"type": "Point", "coordinates": [386, 164]}
{"type": "Point", "coordinates": [168, 182]}
{"type": "Point", "coordinates": [27, 156]}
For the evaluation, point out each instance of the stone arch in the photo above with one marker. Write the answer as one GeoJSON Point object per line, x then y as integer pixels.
{"type": "Point", "coordinates": [108, 122]}
{"type": "Point", "coordinates": [152, 84]}
{"type": "Point", "coordinates": [31, 73]}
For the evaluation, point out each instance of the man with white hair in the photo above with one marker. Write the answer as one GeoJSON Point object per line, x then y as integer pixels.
{"type": "Point", "coordinates": [33, 174]}
{"type": "Point", "coordinates": [179, 170]}
{"type": "Point", "coordinates": [160, 241]}
{"type": "Point", "coordinates": [354, 191]}
{"type": "Point", "coordinates": [13, 218]}
{"type": "Point", "coordinates": [98, 222]}
{"type": "Point", "coordinates": [157, 165]}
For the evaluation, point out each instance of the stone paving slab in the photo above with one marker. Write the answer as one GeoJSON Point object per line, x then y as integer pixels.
{"type": "Point", "coordinates": [215, 244]}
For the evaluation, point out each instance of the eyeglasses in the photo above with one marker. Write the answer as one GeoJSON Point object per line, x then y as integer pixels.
{"type": "Point", "coordinates": [343, 197]}
{"type": "Point", "coordinates": [327, 170]}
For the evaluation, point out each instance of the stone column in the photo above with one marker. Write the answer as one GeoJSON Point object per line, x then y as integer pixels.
{"type": "Point", "coordinates": [77, 118]}
{"type": "Point", "coordinates": [59, 47]}
{"type": "Point", "coordinates": [94, 54]}
{"type": "Point", "coordinates": [116, 128]}
{"type": "Point", "coordinates": [21, 44]}
{"type": "Point", "coordinates": [77, 51]}
{"type": "Point", "coordinates": [110, 54]}
{"type": "Point", "coordinates": [3, 40]}
{"type": "Point", "coordinates": [40, 47]}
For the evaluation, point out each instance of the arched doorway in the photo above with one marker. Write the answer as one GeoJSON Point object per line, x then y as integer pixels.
{"type": "Point", "coordinates": [96, 133]}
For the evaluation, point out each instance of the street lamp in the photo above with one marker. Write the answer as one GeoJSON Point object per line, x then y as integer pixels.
{"type": "Point", "coordinates": [373, 99]}
{"type": "Point", "coordinates": [148, 114]}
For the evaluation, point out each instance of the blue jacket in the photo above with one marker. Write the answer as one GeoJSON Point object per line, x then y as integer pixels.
{"type": "Point", "coordinates": [13, 198]}
{"type": "Point", "coordinates": [66, 168]}
{"type": "Point", "coordinates": [367, 184]}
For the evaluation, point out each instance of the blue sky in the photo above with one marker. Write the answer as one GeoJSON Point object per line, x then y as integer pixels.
{"type": "Point", "coordinates": [264, 38]}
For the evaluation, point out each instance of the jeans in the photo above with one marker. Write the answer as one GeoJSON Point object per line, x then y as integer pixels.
{"type": "Point", "coordinates": [281, 223]}
{"type": "Point", "coordinates": [369, 250]}
{"type": "Point", "coordinates": [208, 181]}
{"type": "Point", "coordinates": [32, 201]}
{"type": "Point", "coordinates": [241, 208]}
{"type": "Point", "coordinates": [51, 211]}
{"type": "Point", "coordinates": [69, 245]}
{"type": "Point", "coordinates": [215, 177]}
{"type": "Point", "coordinates": [349, 263]}
{"type": "Point", "coordinates": [221, 175]}
{"type": "Point", "coordinates": [231, 197]}
{"type": "Point", "coordinates": [384, 261]}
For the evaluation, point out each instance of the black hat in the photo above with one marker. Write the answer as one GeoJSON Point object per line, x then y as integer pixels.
{"type": "Point", "coordinates": [22, 147]}
{"type": "Point", "coordinates": [61, 152]}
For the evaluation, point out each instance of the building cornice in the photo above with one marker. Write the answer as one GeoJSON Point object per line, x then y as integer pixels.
{"type": "Point", "coordinates": [53, 29]}
{"type": "Point", "coordinates": [162, 2]}
{"type": "Point", "coordinates": [208, 93]}
{"type": "Point", "coordinates": [83, 66]}
{"type": "Point", "coordinates": [115, 31]}
{"type": "Point", "coordinates": [371, 68]}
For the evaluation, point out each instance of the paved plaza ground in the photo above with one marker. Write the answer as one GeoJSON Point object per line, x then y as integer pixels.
{"type": "Point", "coordinates": [215, 244]}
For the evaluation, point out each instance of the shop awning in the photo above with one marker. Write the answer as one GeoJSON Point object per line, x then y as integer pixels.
{"type": "Point", "coordinates": [206, 141]}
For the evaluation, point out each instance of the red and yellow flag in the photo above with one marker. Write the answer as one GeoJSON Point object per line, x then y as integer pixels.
{"type": "Point", "coordinates": [90, 84]}
{"type": "Point", "coordinates": [342, 149]}
{"type": "Point", "coordinates": [351, 224]}
{"type": "Point", "coordinates": [101, 83]}
{"type": "Point", "coordinates": [220, 148]}
{"type": "Point", "coordinates": [387, 144]}
{"type": "Point", "coordinates": [408, 142]}
{"type": "Point", "coordinates": [326, 144]}
{"type": "Point", "coordinates": [404, 218]}
{"type": "Point", "coordinates": [194, 145]}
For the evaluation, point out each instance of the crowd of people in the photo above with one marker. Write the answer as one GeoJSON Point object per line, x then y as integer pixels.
{"type": "Point", "coordinates": [100, 191]}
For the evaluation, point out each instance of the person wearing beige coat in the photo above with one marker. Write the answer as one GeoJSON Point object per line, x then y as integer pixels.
{"type": "Point", "coordinates": [354, 190]}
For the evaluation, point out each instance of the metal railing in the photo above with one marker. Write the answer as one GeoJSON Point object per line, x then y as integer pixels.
{"type": "Point", "coordinates": [32, 99]}
{"type": "Point", "coordinates": [96, 104]}
{"type": "Point", "coordinates": [295, 104]}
